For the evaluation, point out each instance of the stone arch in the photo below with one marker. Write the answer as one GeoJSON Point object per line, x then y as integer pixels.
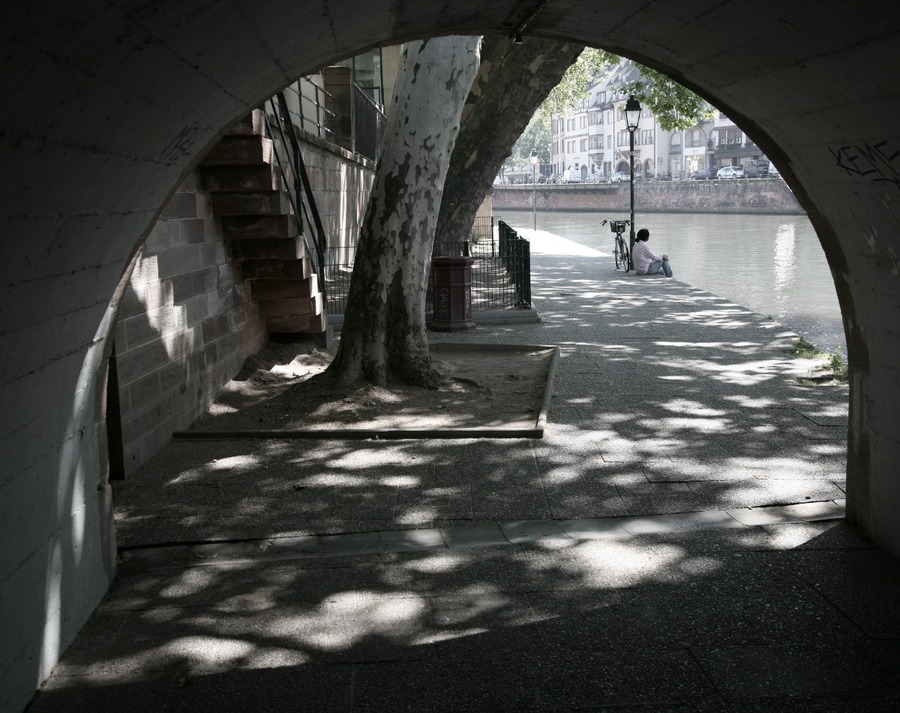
{"type": "Point", "coordinates": [108, 107]}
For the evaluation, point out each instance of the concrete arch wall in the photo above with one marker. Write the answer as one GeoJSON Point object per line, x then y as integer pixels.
{"type": "Point", "coordinates": [107, 106]}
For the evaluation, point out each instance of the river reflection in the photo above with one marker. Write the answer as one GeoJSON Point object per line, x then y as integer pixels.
{"type": "Point", "coordinates": [772, 264]}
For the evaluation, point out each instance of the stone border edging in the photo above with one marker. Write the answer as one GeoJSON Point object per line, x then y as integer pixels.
{"type": "Point", "coordinates": [536, 431]}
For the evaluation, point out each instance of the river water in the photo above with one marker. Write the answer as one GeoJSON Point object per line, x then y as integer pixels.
{"type": "Point", "coordinates": [772, 264]}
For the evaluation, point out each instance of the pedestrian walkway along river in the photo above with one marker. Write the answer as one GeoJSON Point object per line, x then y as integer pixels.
{"type": "Point", "coordinates": [661, 547]}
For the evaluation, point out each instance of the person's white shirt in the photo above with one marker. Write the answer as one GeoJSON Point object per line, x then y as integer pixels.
{"type": "Point", "coordinates": [642, 256]}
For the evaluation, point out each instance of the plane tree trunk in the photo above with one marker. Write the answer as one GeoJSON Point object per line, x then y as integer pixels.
{"type": "Point", "coordinates": [512, 82]}
{"type": "Point", "coordinates": [383, 337]}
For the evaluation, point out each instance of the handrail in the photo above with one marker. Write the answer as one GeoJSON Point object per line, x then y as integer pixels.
{"type": "Point", "coordinates": [301, 186]}
{"type": "Point", "coordinates": [310, 198]}
{"type": "Point", "coordinates": [320, 123]}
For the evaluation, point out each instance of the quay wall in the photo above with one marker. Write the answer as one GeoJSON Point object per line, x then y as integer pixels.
{"type": "Point", "coordinates": [763, 196]}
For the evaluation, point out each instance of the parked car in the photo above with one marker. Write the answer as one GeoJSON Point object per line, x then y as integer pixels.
{"type": "Point", "coordinates": [756, 168]}
{"type": "Point", "coordinates": [703, 174]}
{"type": "Point", "coordinates": [620, 176]}
{"type": "Point", "coordinates": [730, 172]}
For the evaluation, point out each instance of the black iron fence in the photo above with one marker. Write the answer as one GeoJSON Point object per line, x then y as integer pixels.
{"type": "Point", "coordinates": [501, 269]}
{"type": "Point", "coordinates": [368, 124]}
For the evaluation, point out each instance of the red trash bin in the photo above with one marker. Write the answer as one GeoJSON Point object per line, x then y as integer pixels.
{"type": "Point", "coordinates": [451, 279]}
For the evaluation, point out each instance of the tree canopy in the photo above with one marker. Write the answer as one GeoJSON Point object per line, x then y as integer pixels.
{"type": "Point", "coordinates": [674, 106]}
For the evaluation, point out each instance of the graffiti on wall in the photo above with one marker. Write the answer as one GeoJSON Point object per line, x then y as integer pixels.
{"type": "Point", "coordinates": [876, 162]}
{"type": "Point", "coordinates": [183, 146]}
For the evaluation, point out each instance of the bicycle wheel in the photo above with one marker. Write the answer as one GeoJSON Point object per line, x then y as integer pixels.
{"type": "Point", "coordinates": [619, 254]}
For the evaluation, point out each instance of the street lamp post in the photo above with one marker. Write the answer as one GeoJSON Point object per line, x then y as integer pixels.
{"type": "Point", "coordinates": [632, 118]}
{"type": "Point", "coordinates": [534, 161]}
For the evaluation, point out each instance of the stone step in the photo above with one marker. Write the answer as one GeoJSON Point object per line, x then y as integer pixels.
{"type": "Point", "coordinates": [275, 269]}
{"type": "Point", "coordinates": [255, 204]}
{"type": "Point", "coordinates": [259, 226]}
{"type": "Point", "coordinates": [240, 179]}
{"type": "Point", "coordinates": [240, 151]}
{"type": "Point", "coordinates": [297, 307]}
{"type": "Point", "coordinates": [274, 290]}
{"type": "Point", "coordinates": [312, 324]}
{"type": "Point", "coordinates": [269, 249]}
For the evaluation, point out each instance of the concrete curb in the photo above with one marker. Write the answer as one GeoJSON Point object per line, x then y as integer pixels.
{"type": "Point", "coordinates": [536, 431]}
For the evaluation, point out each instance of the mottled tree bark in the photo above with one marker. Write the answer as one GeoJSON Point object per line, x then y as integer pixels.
{"type": "Point", "coordinates": [512, 82]}
{"type": "Point", "coordinates": [383, 336]}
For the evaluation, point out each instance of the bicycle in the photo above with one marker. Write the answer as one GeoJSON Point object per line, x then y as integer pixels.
{"type": "Point", "coordinates": [620, 247]}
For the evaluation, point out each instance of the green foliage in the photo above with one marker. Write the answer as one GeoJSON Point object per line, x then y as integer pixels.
{"type": "Point", "coordinates": [535, 136]}
{"type": "Point", "coordinates": [585, 71]}
{"type": "Point", "coordinates": [674, 106]}
{"type": "Point", "coordinates": [804, 349]}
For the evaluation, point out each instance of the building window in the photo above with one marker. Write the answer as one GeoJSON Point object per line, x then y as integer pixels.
{"type": "Point", "coordinates": [647, 137]}
{"type": "Point", "coordinates": [584, 144]}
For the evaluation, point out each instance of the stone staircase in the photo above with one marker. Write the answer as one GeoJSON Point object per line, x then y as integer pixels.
{"type": "Point", "coordinates": [261, 230]}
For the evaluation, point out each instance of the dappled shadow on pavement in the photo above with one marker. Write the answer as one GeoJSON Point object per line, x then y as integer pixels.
{"type": "Point", "coordinates": [787, 617]}
{"type": "Point", "coordinates": [667, 400]}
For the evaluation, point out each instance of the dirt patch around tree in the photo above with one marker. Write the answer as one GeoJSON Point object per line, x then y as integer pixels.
{"type": "Point", "coordinates": [488, 390]}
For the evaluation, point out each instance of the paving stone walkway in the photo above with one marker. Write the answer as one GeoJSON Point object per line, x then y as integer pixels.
{"type": "Point", "coordinates": [674, 542]}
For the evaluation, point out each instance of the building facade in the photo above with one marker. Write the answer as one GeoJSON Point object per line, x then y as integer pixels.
{"type": "Point", "coordinates": [591, 143]}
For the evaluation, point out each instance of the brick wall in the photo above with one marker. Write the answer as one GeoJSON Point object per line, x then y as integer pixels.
{"type": "Point", "coordinates": [184, 326]}
{"type": "Point", "coordinates": [719, 196]}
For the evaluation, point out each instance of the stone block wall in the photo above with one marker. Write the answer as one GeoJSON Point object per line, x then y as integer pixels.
{"type": "Point", "coordinates": [185, 321]}
{"type": "Point", "coordinates": [717, 196]}
{"type": "Point", "coordinates": [185, 326]}
{"type": "Point", "coordinates": [341, 183]}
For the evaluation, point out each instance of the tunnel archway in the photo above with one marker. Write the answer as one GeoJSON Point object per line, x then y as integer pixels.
{"type": "Point", "coordinates": [109, 107]}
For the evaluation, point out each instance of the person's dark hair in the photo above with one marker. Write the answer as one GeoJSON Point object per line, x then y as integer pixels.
{"type": "Point", "coordinates": [642, 234]}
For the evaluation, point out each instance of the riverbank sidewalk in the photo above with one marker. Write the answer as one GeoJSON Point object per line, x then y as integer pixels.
{"type": "Point", "coordinates": [675, 541]}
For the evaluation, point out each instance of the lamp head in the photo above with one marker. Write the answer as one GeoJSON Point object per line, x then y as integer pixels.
{"type": "Point", "coordinates": [534, 157]}
{"type": "Point", "coordinates": [632, 113]}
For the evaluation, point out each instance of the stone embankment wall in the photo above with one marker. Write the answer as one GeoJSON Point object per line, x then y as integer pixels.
{"type": "Point", "coordinates": [185, 321]}
{"type": "Point", "coordinates": [770, 195]}
{"type": "Point", "coordinates": [341, 183]}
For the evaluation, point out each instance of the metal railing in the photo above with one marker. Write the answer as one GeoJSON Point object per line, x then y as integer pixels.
{"type": "Point", "coordinates": [308, 108]}
{"type": "Point", "coordinates": [501, 269]}
{"type": "Point", "coordinates": [515, 251]}
{"type": "Point", "coordinates": [292, 171]}
{"type": "Point", "coordinates": [368, 124]}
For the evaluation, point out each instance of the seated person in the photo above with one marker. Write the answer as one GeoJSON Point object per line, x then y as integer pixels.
{"type": "Point", "coordinates": [646, 262]}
